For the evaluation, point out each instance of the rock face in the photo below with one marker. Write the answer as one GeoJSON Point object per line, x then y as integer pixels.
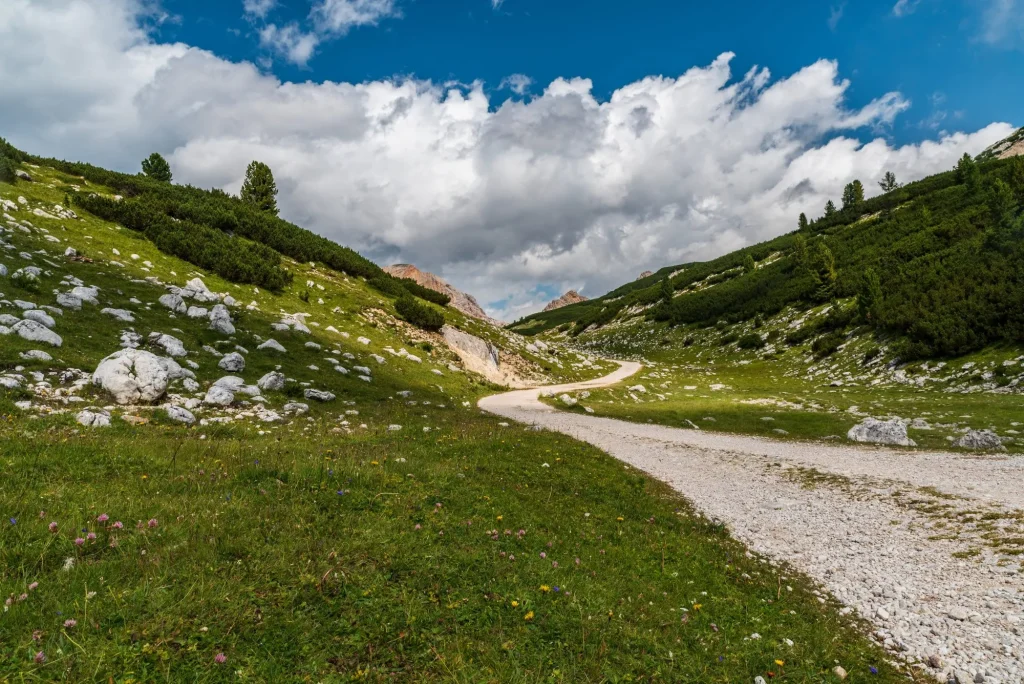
{"type": "Point", "coordinates": [570, 297]}
{"type": "Point", "coordinates": [1006, 148]}
{"type": "Point", "coordinates": [874, 431]}
{"type": "Point", "coordinates": [645, 274]}
{"type": "Point", "coordinates": [460, 300]}
{"type": "Point", "coordinates": [132, 376]}
{"type": "Point", "coordinates": [477, 355]}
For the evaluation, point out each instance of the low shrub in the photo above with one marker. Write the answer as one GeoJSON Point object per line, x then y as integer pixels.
{"type": "Point", "coordinates": [421, 315]}
{"type": "Point", "coordinates": [750, 341]}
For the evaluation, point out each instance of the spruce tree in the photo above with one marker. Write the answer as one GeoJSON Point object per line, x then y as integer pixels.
{"type": "Point", "coordinates": [667, 290]}
{"type": "Point", "coordinates": [824, 272]}
{"type": "Point", "coordinates": [888, 182]}
{"type": "Point", "coordinates": [869, 296]}
{"type": "Point", "coordinates": [157, 168]}
{"type": "Point", "coordinates": [802, 222]}
{"type": "Point", "coordinates": [748, 264]}
{"type": "Point", "coordinates": [800, 251]}
{"type": "Point", "coordinates": [1000, 204]}
{"type": "Point", "coordinates": [7, 174]}
{"type": "Point", "coordinates": [853, 195]}
{"type": "Point", "coordinates": [967, 172]}
{"type": "Point", "coordinates": [830, 208]}
{"type": "Point", "coordinates": [259, 188]}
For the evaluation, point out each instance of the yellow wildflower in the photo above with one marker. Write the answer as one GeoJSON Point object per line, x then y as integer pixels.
{"type": "Point", "coordinates": [528, 616]}
{"type": "Point", "coordinates": [515, 604]}
{"type": "Point", "coordinates": [780, 663]}
{"type": "Point", "coordinates": [545, 588]}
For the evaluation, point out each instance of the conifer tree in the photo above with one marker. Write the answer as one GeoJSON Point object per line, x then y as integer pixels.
{"type": "Point", "coordinates": [748, 264]}
{"type": "Point", "coordinates": [888, 182]}
{"type": "Point", "coordinates": [967, 172]}
{"type": "Point", "coordinates": [802, 221]}
{"type": "Point", "coordinates": [870, 295]}
{"type": "Point", "coordinates": [259, 188]}
{"type": "Point", "coordinates": [853, 195]}
{"type": "Point", "coordinates": [157, 168]}
{"type": "Point", "coordinates": [830, 208]}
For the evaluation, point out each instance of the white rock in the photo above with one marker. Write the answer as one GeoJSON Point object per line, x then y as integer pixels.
{"type": "Point", "coordinates": [272, 344]}
{"type": "Point", "coordinates": [233, 362]}
{"type": "Point", "coordinates": [90, 418]}
{"type": "Point", "coordinates": [39, 316]}
{"type": "Point", "coordinates": [132, 376]}
{"type": "Point", "coordinates": [69, 301]}
{"type": "Point", "coordinates": [180, 415]}
{"type": "Point", "coordinates": [197, 312]}
{"type": "Point", "coordinates": [271, 382]}
{"type": "Point", "coordinates": [122, 315]}
{"type": "Point", "coordinates": [220, 320]}
{"type": "Point", "coordinates": [87, 294]}
{"type": "Point", "coordinates": [172, 345]}
{"type": "Point", "coordinates": [875, 431]}
{"type": "Point", "coordinates": [36, 355]}
{"type": "Point", "coordinates": [318, 395]}
{"type": "Point", "coordinates": [37, 332]}
{"type": "Point", "coordinates": [980, 439]}
{"type": "Point", "coordinates": [173, 302]}
{"type": "Point", "coordinates": [219, 396]}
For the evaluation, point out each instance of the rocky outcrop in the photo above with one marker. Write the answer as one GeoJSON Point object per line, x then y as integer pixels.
{"type": "Point", "coordinates": [980, 439]}
{"type": "Point", "coordinates": [479, 356]}
{"type": "Point", "coordinates": [873, 431]}
{"type": "Point", "coordinates": [645, 274]}
{"type": "Point", "coordinates": [132, 376]}
{"type": "Point", "coordinates": [570, 297]}
{"type": "Point", "coordinates": [460, 300]}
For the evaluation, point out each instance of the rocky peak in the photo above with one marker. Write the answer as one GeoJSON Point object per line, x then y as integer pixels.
{"type": "Point", "coordinates": [570, 297]}
{"type": "Point", "coordinates": [460, 300]}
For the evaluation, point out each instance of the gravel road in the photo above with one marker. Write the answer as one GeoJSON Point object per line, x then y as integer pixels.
{"type": "Point", "coordinates": [909, 539]}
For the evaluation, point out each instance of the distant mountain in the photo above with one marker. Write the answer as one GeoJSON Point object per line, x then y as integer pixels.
{"type": "Point", "coordinates": [460, 301]}
{"type": "Point", "coordinates": [644, 275]}
{"type": "Point", "coordinates": [1008, 147]}
{"type": "Point", "coordinates": [570, 297]}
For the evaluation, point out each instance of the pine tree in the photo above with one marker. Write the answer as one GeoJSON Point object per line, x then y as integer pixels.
{"type": "Point", "coordinates": [800, 251]}
{"type": "Point", "coordinates": [259, 188]}
{"type": "Point", "coordinates": [157, 168]}
{"type": "Point", "coordinates": [1017, 178]}
{"type": "Point", "coordinates": [888, 182]}
{"type": "Point", "coordinates": [748, 264]}
{"type": "Point", "coordinates": [869, 296]}
{"type": "Point", "coordinates": [967, 172]}
{"type": "Point", "coordinates": [824, 272]}
{"type": "Point", "coordinates": [853, 195]}
{"type": "Point", "coordinates": [7, 174]}
{"type": "Point", "coordinates": [802, 222]}
{"type": "Point", "coordinates": [830, 208]}
{"type": "Point", "coordinates": [1000, 204]}
{"type": "Point", "coordinates": [667, 291]}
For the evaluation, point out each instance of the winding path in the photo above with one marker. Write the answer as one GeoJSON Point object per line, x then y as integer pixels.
{"type": "Point", "coordinates": [860, 520]}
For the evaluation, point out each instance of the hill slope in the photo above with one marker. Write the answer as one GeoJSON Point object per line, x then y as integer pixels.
{"type": "Point", "coordinates": [462, 301]}
{"type": "Point", "coordinates": [273, 477]}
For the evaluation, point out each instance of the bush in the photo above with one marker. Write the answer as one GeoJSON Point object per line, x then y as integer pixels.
{"type": "Point", "coordinates": [728, 339]}
{"type": "Point", "coordinates": [421, 315]}
{"type": "Point", "coordinates": [750, 341]}
{"type": "Point", "coordinates": [872, 353]}
{"type": "Point", "coordinates": [7, 170]}
{"type": "Point", "coordinates": [826, 345]}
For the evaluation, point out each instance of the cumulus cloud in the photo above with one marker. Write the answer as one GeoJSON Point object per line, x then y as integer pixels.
{"type": "Point", "coordinates": [258, 9]}
{"type": "Point", "coordinates": [339, 16]}
{"type": "Point", "coordinates": [1002, 23]}
{"type": "Point", "coordinates": [290, 42]}
{"type": "Point", "coordinates": [904, 7]}
{"type": "Point", "coordinates": [517, 83]}
{"type": "Point", "coordinates": [560, 191]}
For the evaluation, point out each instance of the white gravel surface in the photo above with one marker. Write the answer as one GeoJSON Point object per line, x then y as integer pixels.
{"type": "Point", "coordinates": [877, 527]}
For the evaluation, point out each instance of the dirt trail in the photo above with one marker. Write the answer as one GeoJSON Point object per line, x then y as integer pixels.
{"type": "Point", "coordinates": [854, 518]}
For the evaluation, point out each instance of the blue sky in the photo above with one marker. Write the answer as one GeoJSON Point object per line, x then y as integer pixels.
{"type": "Point", "coordinates": [954, 60]}
{"type": "Point", "coordinates": [528, 148]}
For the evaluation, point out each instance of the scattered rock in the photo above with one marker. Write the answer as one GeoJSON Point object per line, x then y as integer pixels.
{"type": "Point", "coordinates": [318, 395]}
{"type": "Point", "coordinates": [36, 355]}
{"type": "Point", "coordinates": [180, 415]}
{"type": "Point", "coordinates": [173, 302]}
{"type": "Point", "coordinates": [838, 671]}
{"type": "Point", "coordinates": [132, 376]}
{"type": "Point", "coordinates": [233, 362]}
{"type": "Point", "coordinates": [93, 418]}
{"type": "Point", "coordinates": [122, 315]}
{"type": "Point", "coordinates": [40, 316]}
{"type": "Point", "coordinates": [875, 431]}
{"type": "Point", "coordinates": [273, 344]}
{"type": "Point", "coordinates": [37, 332]}
{"type": "Point", "coordinates": [220, 320]}
{"type": "Point", "coordinates": [271, 382]}
{"type": "Point", "coordinates": [219, 396]}
{"type": "Point", "coordinates": [980, 439]}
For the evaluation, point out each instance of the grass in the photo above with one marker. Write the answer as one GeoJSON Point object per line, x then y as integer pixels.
{"type": "Point", "coordinates": [318, 550]}
{"type": "Point", "coordinates": [786, 393]}
{"type": "Point", "coordinates": [306, 555]}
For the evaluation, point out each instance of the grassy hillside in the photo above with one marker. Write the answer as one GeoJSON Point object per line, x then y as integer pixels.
{"type": "Point", "coordinates": [936, 265]}
{"type": "Point", "coordinates": [392, 532]}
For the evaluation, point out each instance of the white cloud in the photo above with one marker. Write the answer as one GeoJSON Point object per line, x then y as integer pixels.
{"type": "Point", "coordinates": [517, 83]}
{"type": "Point", "coordinates": [258, 9]}
{"type": "Point", "coordinates": [496, 3]}
{"type": "Point", "coordinates": [338, 16]}
{"type": "Point", "coordinates": [1002, 23]}
{"type": "Point", "coordinates": [835, 14]}
{"type": "Point", "coordinates": [290, 42]}
{"type": "Point", "coordinates": [904, 7]}
{"type": "Point", "coordinates": [562, 190]}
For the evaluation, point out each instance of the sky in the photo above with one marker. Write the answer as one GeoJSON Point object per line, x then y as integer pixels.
{"type": "Point", "coordinates": [520, 148]}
